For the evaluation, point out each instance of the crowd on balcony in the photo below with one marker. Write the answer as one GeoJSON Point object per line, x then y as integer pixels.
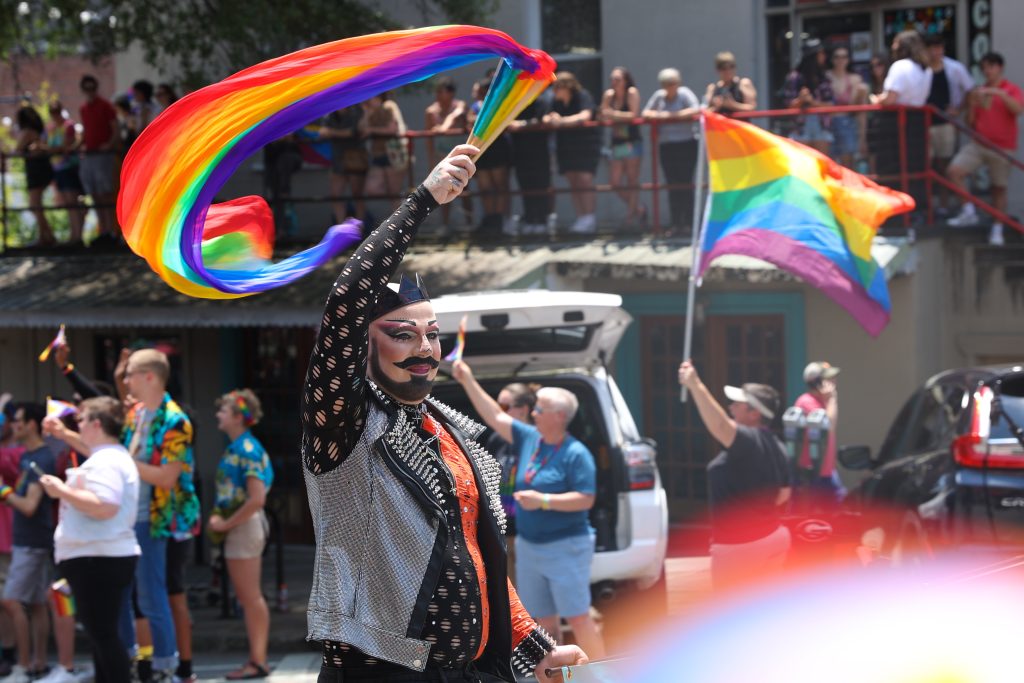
{"type": "Point", "coordinates": [368, 148]}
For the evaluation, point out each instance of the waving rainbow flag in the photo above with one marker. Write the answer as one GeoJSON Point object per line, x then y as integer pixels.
{"type": "Point", "coordinates": [460, 342]}
{"type": "Point", "coordinates": [787, 204]}
{"type": "Point", "coordinates": [177, 167]}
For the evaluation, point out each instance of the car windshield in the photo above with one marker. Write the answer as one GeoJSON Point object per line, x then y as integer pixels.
{"type": "Point", "coordinates": [1012, 400]}
{"type": "Point", "coordinates": [536, 340]}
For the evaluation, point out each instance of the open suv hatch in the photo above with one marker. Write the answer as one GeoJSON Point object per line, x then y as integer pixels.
{"type": "Point", "coordinates": [566, 339]}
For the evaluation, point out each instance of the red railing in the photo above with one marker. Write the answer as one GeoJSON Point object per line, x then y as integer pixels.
{"type": "Point", "coordinates": [910, 171]}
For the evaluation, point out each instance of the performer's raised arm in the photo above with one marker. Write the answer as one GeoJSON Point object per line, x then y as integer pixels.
{"type": "Point", "coordinates": [333, 400]}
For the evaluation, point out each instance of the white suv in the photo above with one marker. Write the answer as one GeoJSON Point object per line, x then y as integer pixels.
{"type": "Point", "coordinates": [566, 339]}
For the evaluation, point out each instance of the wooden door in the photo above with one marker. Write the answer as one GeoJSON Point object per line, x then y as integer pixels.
{"type": "Point", "coordinates": [274, 367]}
{"type": "Point", "coordinates": [726, 350]}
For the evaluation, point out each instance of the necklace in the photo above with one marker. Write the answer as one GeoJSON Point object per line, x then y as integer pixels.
{"type": "Point", "coordinates": [532, 467]}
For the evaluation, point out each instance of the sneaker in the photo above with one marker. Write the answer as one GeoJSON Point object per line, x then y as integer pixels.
{"type": "Point", "coordinates": [552, 224]}
{"type": "Point", "coordinates": [85, 674]}
{"type": "Point", "coordinates": [995, 235]}
{"type": "Point", "coordinates": [584, 225]}
{"type": "Point", "coordinates": [19, 674]}
{"type": "Point", "coordinates": [510, 226]}
{"type": "Point", "coordinates": [967, 217]}
{"type": "Point", "coordinates": [534, 229]}
{"type": "Point", "coordinates": [59, 674]}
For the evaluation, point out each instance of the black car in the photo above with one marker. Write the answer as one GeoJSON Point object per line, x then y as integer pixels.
{"type": "Point", "coordinates": [950, 474]}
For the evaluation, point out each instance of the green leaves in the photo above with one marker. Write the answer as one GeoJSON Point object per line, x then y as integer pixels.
{"type": "Point", "coordinates": [204, 40]}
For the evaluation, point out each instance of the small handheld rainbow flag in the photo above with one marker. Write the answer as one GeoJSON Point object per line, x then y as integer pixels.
{"type": "Point", "coordinates": [460, 342]}
{"type": "Point", "coordinates": [58, 409]}
{"type": "Point", "coordinates": [63, 600]}
{"type": "Point", "coordinates": [59, 340]}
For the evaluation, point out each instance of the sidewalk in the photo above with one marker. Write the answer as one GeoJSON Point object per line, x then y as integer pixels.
{"type": "Point", "coordinates": [294, 660]}
{"type": "Point", "coordinates": [212, 632]}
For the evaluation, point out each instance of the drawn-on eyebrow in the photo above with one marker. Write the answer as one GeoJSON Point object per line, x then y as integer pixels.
{"type": "Point", "coordinates": [396, 324]}
{"type": "Point", "coordinates": [410, 323]}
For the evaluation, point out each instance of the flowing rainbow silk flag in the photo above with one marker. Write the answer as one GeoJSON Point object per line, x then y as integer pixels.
{"type": "Point", "coordinates": [178, 165]}
{"type": "Point", "coordinates": [782, 202]}
{"type": "Point", "coordinates": [460, 342]}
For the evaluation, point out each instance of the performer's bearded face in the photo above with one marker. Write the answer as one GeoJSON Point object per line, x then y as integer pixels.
{"type": "Point", "coordinates": [405, 351]}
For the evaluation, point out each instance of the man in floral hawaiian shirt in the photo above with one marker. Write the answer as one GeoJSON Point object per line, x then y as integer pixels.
{"type": "Point", "coordinates": [158, 434]}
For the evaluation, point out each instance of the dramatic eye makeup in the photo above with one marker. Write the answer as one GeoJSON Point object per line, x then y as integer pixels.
{"type": "Point", "coordinates": [403, 330]}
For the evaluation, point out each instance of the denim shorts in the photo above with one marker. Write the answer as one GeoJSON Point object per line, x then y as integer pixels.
{"type": "Point", "coordinates": [28, 577]}
{"type": "Point", "coordinates": [846, 136]}
{"type": "Point", "coordinates": [554, 578]}
{"type": "Point", "coordinates": [812, 130]}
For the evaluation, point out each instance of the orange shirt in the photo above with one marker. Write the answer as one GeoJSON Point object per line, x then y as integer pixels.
{"type": "Point", "coordinates": [469, 502]}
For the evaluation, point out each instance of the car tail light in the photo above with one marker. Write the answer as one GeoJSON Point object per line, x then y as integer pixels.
{"type": "Point", "coordinates": [641, 467]}
{"type": "Point", "coordinates": [974, 449]}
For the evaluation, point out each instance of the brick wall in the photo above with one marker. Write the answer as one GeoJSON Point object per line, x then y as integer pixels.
{"type": "Point", "coordinates": [61, 76]}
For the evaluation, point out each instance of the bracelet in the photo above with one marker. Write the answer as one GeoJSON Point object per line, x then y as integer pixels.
{"type": "Point", "coordinates": [68, 368]}
{"type": "Point", "coordinates": [5, 492]}
{"type": "Point", "coordinates": [545, 502]}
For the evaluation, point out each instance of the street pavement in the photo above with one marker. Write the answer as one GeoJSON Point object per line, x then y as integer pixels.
{"type": "Point", "coordinates": [220, 642]}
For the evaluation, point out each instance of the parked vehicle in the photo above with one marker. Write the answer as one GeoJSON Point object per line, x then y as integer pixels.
{"type": "Point", "coordinates": [950, 474]}
{"type": "Point", "coordinates": [566, 339]}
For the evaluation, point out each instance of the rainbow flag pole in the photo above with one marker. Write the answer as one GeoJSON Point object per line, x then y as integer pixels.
{"type": "Point", "coordinates": [696, 242]}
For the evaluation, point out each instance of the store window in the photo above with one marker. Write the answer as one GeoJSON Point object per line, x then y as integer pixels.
{"type": "Point", "coordinates": [937, 19]}
{"type": "Point", "coordinates": [108, 351]}
{"type": "Point", "coordinates": [571, 33]}
{"type": "Point", "coordinates": [780, 37]}
{"type": "Point", "coordinates": [851, 31]}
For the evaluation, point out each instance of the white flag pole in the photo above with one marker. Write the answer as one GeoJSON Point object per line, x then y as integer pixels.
{"type": "Point", "coordinates": [695, 248]}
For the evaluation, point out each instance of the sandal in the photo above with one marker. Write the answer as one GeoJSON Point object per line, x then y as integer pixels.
{"type": "Point", "coordinates": [250, 670]}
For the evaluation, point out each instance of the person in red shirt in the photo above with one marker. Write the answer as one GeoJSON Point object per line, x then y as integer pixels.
{"type": "Point", "coordinates": [96, 168]}
{"type": "Point", "coordinates": [992, 111]}
{"type": "Point", "coordinates": [823, 489]}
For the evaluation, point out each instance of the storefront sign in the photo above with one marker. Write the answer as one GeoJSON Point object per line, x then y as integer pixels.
{"type": "Point", "coordinates": [979, 35]}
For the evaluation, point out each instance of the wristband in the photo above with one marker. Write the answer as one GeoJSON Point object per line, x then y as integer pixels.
{"type": "Point", "coordinates": [68, 368]}
{"type": "Point", "coordinates": [5, 492]}
{"type": "Point", "coordinates": [545, 502]}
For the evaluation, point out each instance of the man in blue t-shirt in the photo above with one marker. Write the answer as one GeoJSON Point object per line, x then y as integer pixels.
{"type": "Point", "coordinates": [556, 482]}
{"type": "Point", "coordinates": [29, 575]}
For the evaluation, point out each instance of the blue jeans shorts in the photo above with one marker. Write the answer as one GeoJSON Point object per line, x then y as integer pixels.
{"type": "Point", "coordinates": [812, 130]}
{"type": "Point", "coordinates": [846, 136]}
{"type": "Point", "coordinates": [554, 578]}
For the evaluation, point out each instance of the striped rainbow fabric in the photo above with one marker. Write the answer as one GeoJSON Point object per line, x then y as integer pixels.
{"type": "Point", "coordinates": [180, 162]}
{"type": "Point", "coordinates": [782, 202]}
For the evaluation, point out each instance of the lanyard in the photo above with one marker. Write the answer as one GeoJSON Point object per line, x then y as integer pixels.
{"type": "Point", "coordinates": [532, 467]}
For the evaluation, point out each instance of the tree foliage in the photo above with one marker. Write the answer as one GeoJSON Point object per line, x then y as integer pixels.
{"type": "Point", "coordinates": [204, 40]}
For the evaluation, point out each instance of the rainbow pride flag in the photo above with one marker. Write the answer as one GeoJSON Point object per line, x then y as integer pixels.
{"type": "Point", "coordinates": [782, 202]}
{"type": "Point", "coordinates": [59, 409]}
{"type": "Point", "coordinates": [63, 600]}
{"type": "Point", "coordinates": [460, 342]}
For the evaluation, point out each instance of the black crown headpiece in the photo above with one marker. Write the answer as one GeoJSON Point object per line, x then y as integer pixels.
{"type": "Point", "coordinates": [407, 292]}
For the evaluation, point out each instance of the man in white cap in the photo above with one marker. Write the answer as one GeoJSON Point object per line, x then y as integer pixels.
{"type": "Point", "coordinates": [748, 481]}
{"type": "Point", "coordinates": [823, 487]}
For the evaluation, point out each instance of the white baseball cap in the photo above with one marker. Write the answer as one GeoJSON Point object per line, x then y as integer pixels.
{"type": "Point", "coordinates": [760, 397]}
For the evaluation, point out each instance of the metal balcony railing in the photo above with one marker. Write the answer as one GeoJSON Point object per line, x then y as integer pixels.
{"type": "Point", "coordinates": [895, 143]}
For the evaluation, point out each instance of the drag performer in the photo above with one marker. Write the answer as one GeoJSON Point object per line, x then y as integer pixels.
{"type": "Point", "coordinates": [410, 581]}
